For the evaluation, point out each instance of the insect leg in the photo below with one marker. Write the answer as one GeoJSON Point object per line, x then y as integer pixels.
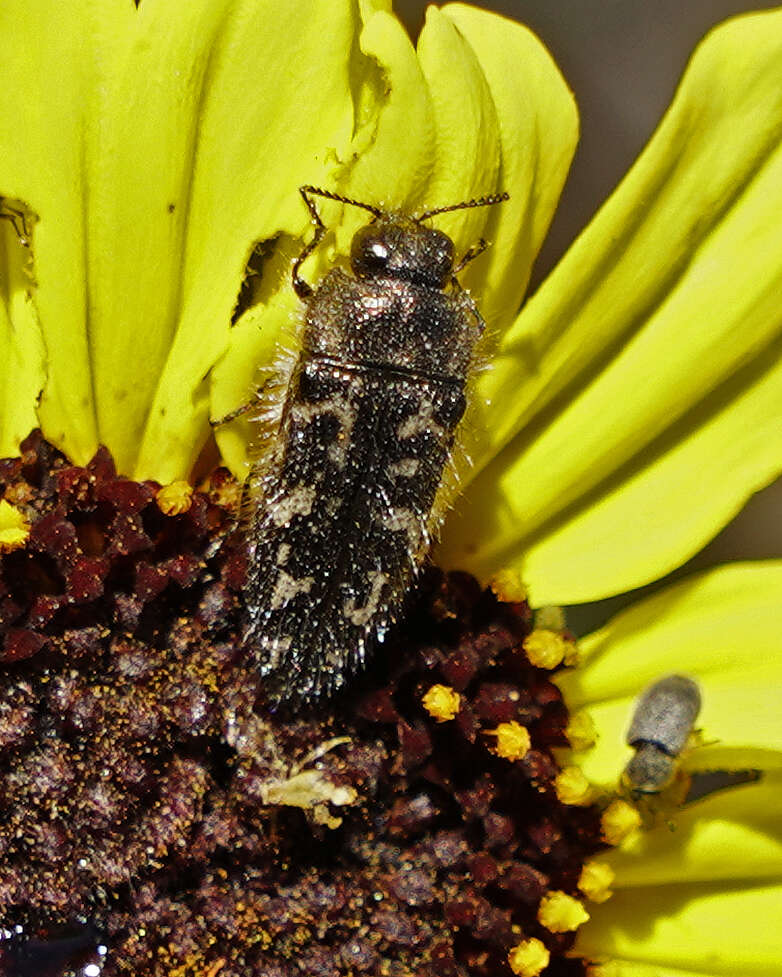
{"type": "Point", "coordinates": [232, 414]}
{"type": "Point", "coordinates": [18, 220]}
{"type": "Point", "coordinates": [468, 301]}
{"type": "Point", "coordinates": [304, 289]}
{"type": "Point", "coordinates": [242, 409]}
{"type": "Point", "coordinates": [472, 252]}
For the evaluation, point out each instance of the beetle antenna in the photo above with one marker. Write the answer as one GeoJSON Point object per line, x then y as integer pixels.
{"type": "Point", "coordinates": [318, 191]}
{"type": "Point", "coordinates": [495, 198]}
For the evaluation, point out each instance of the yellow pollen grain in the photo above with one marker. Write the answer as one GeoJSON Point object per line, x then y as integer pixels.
{"type": "Point", "coordinates": [14, 528]}
{"type": "Point", "coordinates": [508, 587]}
{"type": "Point", "coordinates": [550, 617]}
{"type": "Point", "coordinates": [513, 740]}
{"type": "Point", "coordinates": [222, 491]}
{"type": "Point", "coordinates": [544, 648]}
{"type": "Point", "coordinates": [174, 499]}
{"type": "Point", "coordinates": [572, 787]}
{"type": "Point", "coordinates": [595, 881]}
{"type": "Point", "coordinates": [606, 969]}
{"type": "Point", "coordinates": [529, 958]}
{"type": "Point", "coordinates": [572, 654]}
{"type": "Point", "coordinates": [581, 731]}
{"type": "Point", "coordinates": [619, 820]}
{"type": "Point", "coordinates": [442, 703]}
{"type": "Point", "coordinates": [561, 913]}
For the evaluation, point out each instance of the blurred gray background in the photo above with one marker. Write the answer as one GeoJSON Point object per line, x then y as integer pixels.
{"type": "Point", "coordinates": [623, 59]}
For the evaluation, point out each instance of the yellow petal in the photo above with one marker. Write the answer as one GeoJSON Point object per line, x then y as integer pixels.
{"type": "Point", "coordinates": [467, 142]}
{"type": "Point", "coordinates": [50, 127]}
{"type": "Point", "coordinates": [246, 133]}
{"type": "Point", "coordinates": [732, 834]}
{"type": "Point", "coordinates": [721, 620]}
{"type": "Point", "coordinates": [14, 527]}
{"type": "Point", "coordinates": [22, 354]}
{"type": "Point", "coordinates": [516, 124]}
{"type": "Point", "coordinates": [397, 100]}
{"type": "Point", "coordinates": [537, 124]}
{"type": "Point", "coordinates": [709, 929]}
{"type": "Point", "coordinates": [172, 157]}
{"type": "Point", "coordinates": [635, 968]}
{"type": "Point", "coordinates": [466, 133]}
{"type": "Point", "coordinates": [720, 627]}
{"type": "Point", "coordinates": [393, 97]}
{"type": "Point", "coordinates": [648, 369]}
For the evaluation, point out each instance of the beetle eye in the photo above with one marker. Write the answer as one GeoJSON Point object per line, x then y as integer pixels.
{"type": "Point", "coordinates": [374, 255]}
{"type": "Point", "coordinates": [371, 255]}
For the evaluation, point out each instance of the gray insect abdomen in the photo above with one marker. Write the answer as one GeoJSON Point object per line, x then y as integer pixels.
{"type": "Point", "coordinates": [344, 517]}
{"type": "Point", "coordinates": [662, 722]}
{"type": "Point", "coordinates": [665, 714]}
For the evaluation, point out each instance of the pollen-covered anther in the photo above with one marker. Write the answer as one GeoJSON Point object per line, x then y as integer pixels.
{"type": "Point", "coordinates": [561, 913]}
{"type": "Point", "coordinates": [529, 958]}
{"type": "Point", "coordinates": [572, 787]}
{"type": "Point", "coordinates": [595, 881]}
{"type": "Point", "coordinates": [618, 821]}
{"type": "Point", "coordinates": [442, 703]}
{"type": "Point", "coordinates": [512, 740]}
{"type": "Point", "coordinates": [607, 968]}
{"type": "Point", "coordinates": [545, 648]}
{"type": "Point", "coordinates": [508, 587]}
{"type": "Point", "coordinates": [14, 528]}
{"type": "Point", "coordinates": [572, 654]}
{"type": "Point", "coordinates": [581, 731]}
{"type": "Point", "coordinates": [549, 617]}
{"type": "Point", "coordinates": [174, 499]}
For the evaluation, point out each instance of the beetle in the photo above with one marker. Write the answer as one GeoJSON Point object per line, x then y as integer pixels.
{"type": "Point", "coordinates": [346, 504]}
{"type": "Point", "coordinates": [661, 725]}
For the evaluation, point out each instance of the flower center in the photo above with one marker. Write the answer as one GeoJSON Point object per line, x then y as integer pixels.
{"type": "Point", "coordinates": [417, 824]}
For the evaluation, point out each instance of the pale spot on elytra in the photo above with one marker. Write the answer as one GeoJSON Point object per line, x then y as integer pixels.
{"type": "Point", "coordinates": [274, 649]}
{"type": "Point", "coordinates": [340, 408]}
{"type": "Point", "coordinates": [405, 520]}
{"type": "Point", "coordinates": [288, 587]}
{"type": "Point", "coordinates": [422, 422]}
{"type": "Point", "coordinates": [298, 502]}
{"type": "Point", "coordinates": [362, 615]}
{"type": "Point", "coordinates": [407, 467]}
{"type": "Point", "coordinates": [283, 554]}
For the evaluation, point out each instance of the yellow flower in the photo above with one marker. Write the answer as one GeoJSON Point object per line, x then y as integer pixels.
{"type": "Point", "coordinates": [701, 892]}
{"type": "Point", "coordinates": [632, 406]}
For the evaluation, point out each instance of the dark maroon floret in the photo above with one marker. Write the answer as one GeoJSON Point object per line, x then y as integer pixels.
{"type": "Point", "coordinates": [21, 643]}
